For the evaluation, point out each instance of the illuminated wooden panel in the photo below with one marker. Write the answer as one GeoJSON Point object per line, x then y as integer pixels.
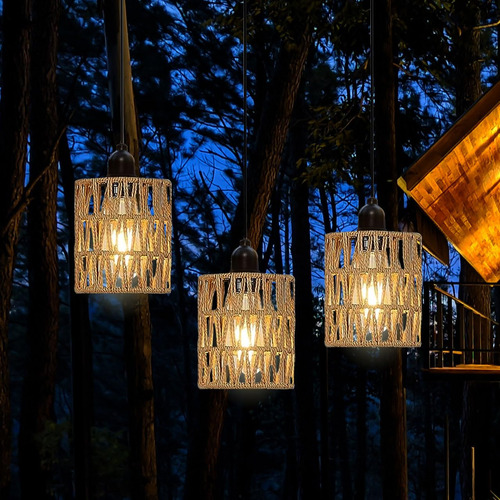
{"type": "Point", "coordinates": [457, 183]}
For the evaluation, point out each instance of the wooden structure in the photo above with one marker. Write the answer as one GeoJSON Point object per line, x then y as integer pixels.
{"type": "Point", "coordinates": [456, 338]}
{"type": "Point", "coordinates": [457, 184]}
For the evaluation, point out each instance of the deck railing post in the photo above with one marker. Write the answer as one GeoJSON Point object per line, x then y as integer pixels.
{"type": "Point", "coordinates": [426, 324]}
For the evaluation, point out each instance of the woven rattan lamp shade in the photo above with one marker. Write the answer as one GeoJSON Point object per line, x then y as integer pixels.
{"type": "Point", "coordinates": [373, 289]}
{"type": "Point", "coordinates": [246, 327]}
{"type": "Point", "coordinates": [123, 229]}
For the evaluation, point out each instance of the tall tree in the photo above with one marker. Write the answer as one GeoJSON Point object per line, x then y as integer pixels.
{"type": "Point", "coordinates": [13, 141]}
{"type": "Point", "coordinates": [392, 400]}
{"type": "Point", "coordinates": [81, 345]}
{"type": "Point", "coordinates": [304, 322]}
{"type": "Point", "coordinates": [39, 383]}
{"type": "Point", "coordinates": [137, 318]}
{"type": "Point", "coordinates": [475, 420]}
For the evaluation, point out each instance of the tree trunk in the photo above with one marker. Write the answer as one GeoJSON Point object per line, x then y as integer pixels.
{"type": "Point", "coordinates": [304, 317]}
{"type": "Point", "coordinates": [392, 403]}
{"type": "Point", "coordinates": [290, 480]}
{"type": "Point", "coordinates": [81, 346]}
{"type": "Point", "coordinates": [274, 123]}
{"type": "Point", "coordinates": [430, 446]}
{"type": "Point", "coordinates": [326, 459]}
{"type": "Point", "coordinates": [361, 419]}
{"type": "Point", "coordinates": [135, 307]}
{"type": "Point", "coordinates": [385, 100]}
{"type": "Point", "coordinates": [475, 423]}
{"type": "Point", "coordinates": [190, 382]}
{"type": "Point", "coordinates": [204, 448]}
{"type": "Point", "coordinates": [39, 383]}
{"type": "Point", "coordinates": [140, 396]}
{"type": "Point", "coordinates": [290, 483]}
{"type": "Point", "coordinates": [112, 28]}
{"type": "Point", "coordinates": [393, 428]}
{"type": "Point", "coordinates": [203, 456]}
{"type": "Point", "coordinates": [340, 425]}
{"type": "Point", "coordinates": [13, 141]}
{"type": "Point", "coordinates": [245, 452]}
{"type": "Point", "coordinates": [274, 244]}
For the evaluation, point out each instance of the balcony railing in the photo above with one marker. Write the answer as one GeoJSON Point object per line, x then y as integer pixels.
{"type": "Point", "coordinates": [455, 335]}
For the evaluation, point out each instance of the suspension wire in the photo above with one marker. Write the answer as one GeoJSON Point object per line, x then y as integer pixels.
{"type": "Point", "coordinates": [372, 95]}
{"type": "Point", "coordinates": [245, 115]}
{"type": "Point", "coordinates": [122, 75]}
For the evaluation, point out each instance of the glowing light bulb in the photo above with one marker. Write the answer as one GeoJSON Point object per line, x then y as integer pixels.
{"type": "Point", "coordinates": [369, 295]}
{"type": "Point", "coordinates": [246, 335]}
{"type": "Point", "coordinates": [371, 291]}
{"type": "Point", "coordinates": [121, 241]}
{"type": "Point", "coordinates": [121, 237]}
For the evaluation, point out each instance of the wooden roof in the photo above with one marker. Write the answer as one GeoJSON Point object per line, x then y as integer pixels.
{"type": "Point", "coordinates": [457, 183]}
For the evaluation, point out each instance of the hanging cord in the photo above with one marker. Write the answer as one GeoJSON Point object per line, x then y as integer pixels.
{"type": "Point", "coordinates": [372, 96]}
{"type": "Point", "coordinates": [121, 163]}
{"type": "Point", "coordinates": [245, 117]}
{"type": "Point", "coordinates": [122, 77]}
{"type": "Point", "coordinates": [371, 216]}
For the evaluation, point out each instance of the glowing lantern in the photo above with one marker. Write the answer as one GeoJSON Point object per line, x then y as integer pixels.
{"type": "Point", "coordinates": [373, 285]}
{"type": "Point", "coordinates": [246, 326]}
{"type": "Point", "coordinates": [123, 227]}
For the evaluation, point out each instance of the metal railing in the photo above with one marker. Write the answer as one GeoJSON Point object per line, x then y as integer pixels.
{"type": "Point", "coordinates": [455, 334]}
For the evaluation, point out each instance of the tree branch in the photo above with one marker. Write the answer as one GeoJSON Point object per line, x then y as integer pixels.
{"type": "Point", "coordinates": [26, 196]}
{"type": "Point", "coordinates": [485, 26]}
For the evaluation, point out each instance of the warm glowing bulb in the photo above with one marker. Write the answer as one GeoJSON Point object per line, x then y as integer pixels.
{"type": "Point", "coordinates": [369, 294]}
{"type": "Point", "coordinates": [245, 333]}
{"type": "Point", "coordinates": [244, 336]}
{"type": "Point", "coordinates": [119, 242]}
{"type": "Point", "coordinates": [121, 238]}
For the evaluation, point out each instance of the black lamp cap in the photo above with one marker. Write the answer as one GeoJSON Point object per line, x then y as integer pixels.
{"type": "Point", "coordinates": [371, 216]}
{"type": "Point", "coordinates": [244, 259]}
{"type": "Point", "coordinates": [121, 163]}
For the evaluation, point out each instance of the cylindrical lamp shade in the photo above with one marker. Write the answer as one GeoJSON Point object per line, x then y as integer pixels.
{"type": "Point", "coordinates": [373, 289]}
{"type": "Point", "coordinates": [123, 231]}
{"type": "Point", "coordinates": [246, 328]}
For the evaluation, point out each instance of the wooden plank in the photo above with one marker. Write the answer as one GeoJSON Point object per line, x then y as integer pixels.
{"type": "Point", "coordinates": [447, 142]}
{"type": "Point", "coordinates": [490, 373]}
{"type": "Point", "coordinates": [457, 184]}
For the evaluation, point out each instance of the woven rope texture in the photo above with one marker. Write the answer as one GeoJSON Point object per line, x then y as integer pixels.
{"type": "Point", "coordinates": [246, 327]}
{"type": "Point", "coordinates": [373, 289]}
{"type": "Point", "coordinates": [123, 229]}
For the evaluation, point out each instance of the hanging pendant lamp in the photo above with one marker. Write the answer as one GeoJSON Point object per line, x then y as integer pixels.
{"type": "Point", "coordinates": [123, 224]}
{"type": "Point", "coordinates": [373, 277]}
{"type": "Point", "coordinates": [373, 285]}
{"type": "Point", "coordinates": [246, 319]}
{"type": "Point", "coordinates": [246, 326]}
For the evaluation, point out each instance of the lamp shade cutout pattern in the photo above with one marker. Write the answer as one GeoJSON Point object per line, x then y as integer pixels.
{"type": "Point", "coordinates": [373, 283]}
{"type": "Point", "coordinates": [123, 229]}
{"type": "Point", "coordinates": [246, 327]}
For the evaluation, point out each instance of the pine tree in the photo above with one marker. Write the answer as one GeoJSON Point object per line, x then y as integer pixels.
{"type": "Point", "coordinates": [13, 148]}
{"type": "Point", "coordinates": [37, 409]}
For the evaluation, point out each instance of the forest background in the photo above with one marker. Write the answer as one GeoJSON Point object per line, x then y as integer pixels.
{"type": "Point", "coordinates": [98, 395]}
